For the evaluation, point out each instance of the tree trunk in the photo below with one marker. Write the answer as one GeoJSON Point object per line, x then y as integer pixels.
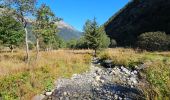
{"type": "Point", "coordinates": [37, 48]}
{"type": "Point", "coordinates": [95, 51]}
{"type": "Point", "coordinates": [27, 46]}
{"type": "Point", "coordinates": [12, 49]}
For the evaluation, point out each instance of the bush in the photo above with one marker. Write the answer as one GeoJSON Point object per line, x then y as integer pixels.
{"type": "Point", "coordinates": [153, 41]}
{"type": "Point", "coordinates": [31, 46]}
{"type": "Point", "coordinates": [113, 43]}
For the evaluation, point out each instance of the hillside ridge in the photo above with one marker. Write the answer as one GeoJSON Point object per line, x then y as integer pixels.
{"type": "Point", "coordinates": [137, 17]}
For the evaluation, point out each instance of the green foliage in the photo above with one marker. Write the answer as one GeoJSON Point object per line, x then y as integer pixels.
{"type": "Point", "coordinates": [58, 43]}
{"type": "Point", "coordinates": [21, 7]}
{"type": "Point", "coordinates": [95, 36]}
{"type": "Point", "coordinates": [31, 45]}
{"type": "Point", "coordinates": [153, 41]}
{"type": "Point", "coordinates": [104, 40]}
{"type": "Point", "coordinates": [131, 21]}
{"type": "Point", "coordinates": [11, 32]}
{"type": "Point", "coordinates": [82, 43]}
{"type": "Point", "coordinates": [72, 43]}
{"type": "Point", "coordinates": [113, 43]}
{"type": "Point", "coordinates": [45, 27]}
{"type": "Point", "coordinates": [158, 75]}
{"type": "Point", "coordinates": [9, 86]}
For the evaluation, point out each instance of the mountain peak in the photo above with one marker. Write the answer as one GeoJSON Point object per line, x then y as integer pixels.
{"type": "Point", "coordinates": [67, 31]}
{"type": "Point", "coordinates": [62, 24]}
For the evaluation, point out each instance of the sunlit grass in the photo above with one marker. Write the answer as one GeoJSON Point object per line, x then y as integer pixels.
{"type": "Point", "coordinates": [20, 81]}
{"type": "Point", "coordinates": [157, 71]}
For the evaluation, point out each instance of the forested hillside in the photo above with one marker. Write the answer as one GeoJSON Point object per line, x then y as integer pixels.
{"type": "Point", "coordinates": [137, 17]}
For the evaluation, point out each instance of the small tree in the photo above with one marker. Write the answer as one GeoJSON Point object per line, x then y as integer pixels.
{"type": "Point", "coordinates": [11, 32]}
{"type": "Point", "coordinates": [21, 10]}
{"type": "Point", "coordinates": [49, 35]}
{"type": "Point", "coordinates": [95, 36]}
{"type": "Point", "coordinates": [44, 26]}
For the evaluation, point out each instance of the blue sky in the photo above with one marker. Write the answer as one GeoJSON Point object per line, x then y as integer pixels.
{"type": "Point", "coordinates": [76, 12]}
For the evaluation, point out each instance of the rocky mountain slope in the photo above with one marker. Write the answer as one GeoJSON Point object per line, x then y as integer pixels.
{"type": "Point", "coordinates": [68, 32]}
{"type": "Point", "coordinates": [137, 17]}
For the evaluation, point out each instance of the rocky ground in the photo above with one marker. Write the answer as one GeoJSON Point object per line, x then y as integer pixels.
{"type": "Point", "coordinates": [99, 83]}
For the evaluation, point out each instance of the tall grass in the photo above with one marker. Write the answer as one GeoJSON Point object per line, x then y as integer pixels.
{"type": "Point", "coordinates": [19, 81]}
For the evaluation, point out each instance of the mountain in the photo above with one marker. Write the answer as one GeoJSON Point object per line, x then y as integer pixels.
{"type": "Point", "coordinates": [137, 17]}
{"type": "Point", "coordinates": [67, 32]}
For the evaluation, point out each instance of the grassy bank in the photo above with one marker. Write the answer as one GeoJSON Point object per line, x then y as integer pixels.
{"type": "Point", "coordinates": [157, 71]}
{"type": "Point", "coordinates": [19, 81]}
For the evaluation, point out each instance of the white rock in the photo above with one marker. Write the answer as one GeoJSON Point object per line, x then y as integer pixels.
{"type": "Point", "coordinates": [135, 72]}
{"type": "Point", "coordinates": [120, 98]}
{"type": "Point", "coordinates": [125, 70]}
{"type": "Point", "coordinates": [65, 93]}
{"type": "Point", "coordinates": [102, 81]}
{"type": "Point", "coordinates": [75, 76]}
{"type": "Point", "coordinates": [95, 83]}
{"type": "Point", "coordinates": [48, 93]}
{"type": "Point", "coordinates": [98, 78]}
{"type": "Point", "coordinates": [116, 97]}
{"type": "Point", "coordinates": [133, 80]}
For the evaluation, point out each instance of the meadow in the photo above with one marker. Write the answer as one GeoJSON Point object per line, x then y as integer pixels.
{"type": "Point", "coordinates": [21, 81]}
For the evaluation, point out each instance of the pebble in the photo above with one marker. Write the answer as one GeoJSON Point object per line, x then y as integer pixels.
{"type": "Point", "coordinates": [98, 78]}
{"type": "Point", "coordinates": [98, 83]}
{"type": "Point", "coordinates": [65, 93]}
{"type": "Point", "coordinates": [48, 93]}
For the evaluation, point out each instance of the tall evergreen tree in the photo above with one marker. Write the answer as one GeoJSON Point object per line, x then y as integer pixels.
{"type": "Point", "coordinates": [95, 36]}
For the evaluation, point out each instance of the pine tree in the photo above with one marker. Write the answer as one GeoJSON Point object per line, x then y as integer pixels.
{"type": "Point", "coordinates": [95, 36]}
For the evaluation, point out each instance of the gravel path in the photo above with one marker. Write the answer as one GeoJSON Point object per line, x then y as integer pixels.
{"type": "Point", "coordinates": [99, 83]}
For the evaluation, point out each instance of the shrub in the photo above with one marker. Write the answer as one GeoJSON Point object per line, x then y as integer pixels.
{"type": "Point", "coordinates": [113, 43]}
{"type": "Point", "coordinates": [31, 46]}
{"type": "Point", "coordinates": [153, 41]}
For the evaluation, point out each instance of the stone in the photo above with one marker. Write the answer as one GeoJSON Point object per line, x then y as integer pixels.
{"type": "Point", "coordinates": [120, 98]}
{"type": "Point", "coordinates": [97, 78]}
{"type": "Point", "coordinates": [135, 72]}
{"type": "Point", "coordinates": [102, 81]}
{"type": "Point", "coordinates": [116, 97]}
{"type": "Point", "coordinates": [125, 70]}
{"type": "Point", "coordinates": [133, 80]}
{"type": "Point", "coordinates": [65, 93]}
{"type": "Point", "coordinates": [38, 97]}
{"type": "Point", "coordinates": [98, 83]}
{"type": "Point", "coordinates": [74, 76]}
{"type": "Point", "coordinates": [61, 98]}
{"type": "Point", "coordinates": [48, 93]}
